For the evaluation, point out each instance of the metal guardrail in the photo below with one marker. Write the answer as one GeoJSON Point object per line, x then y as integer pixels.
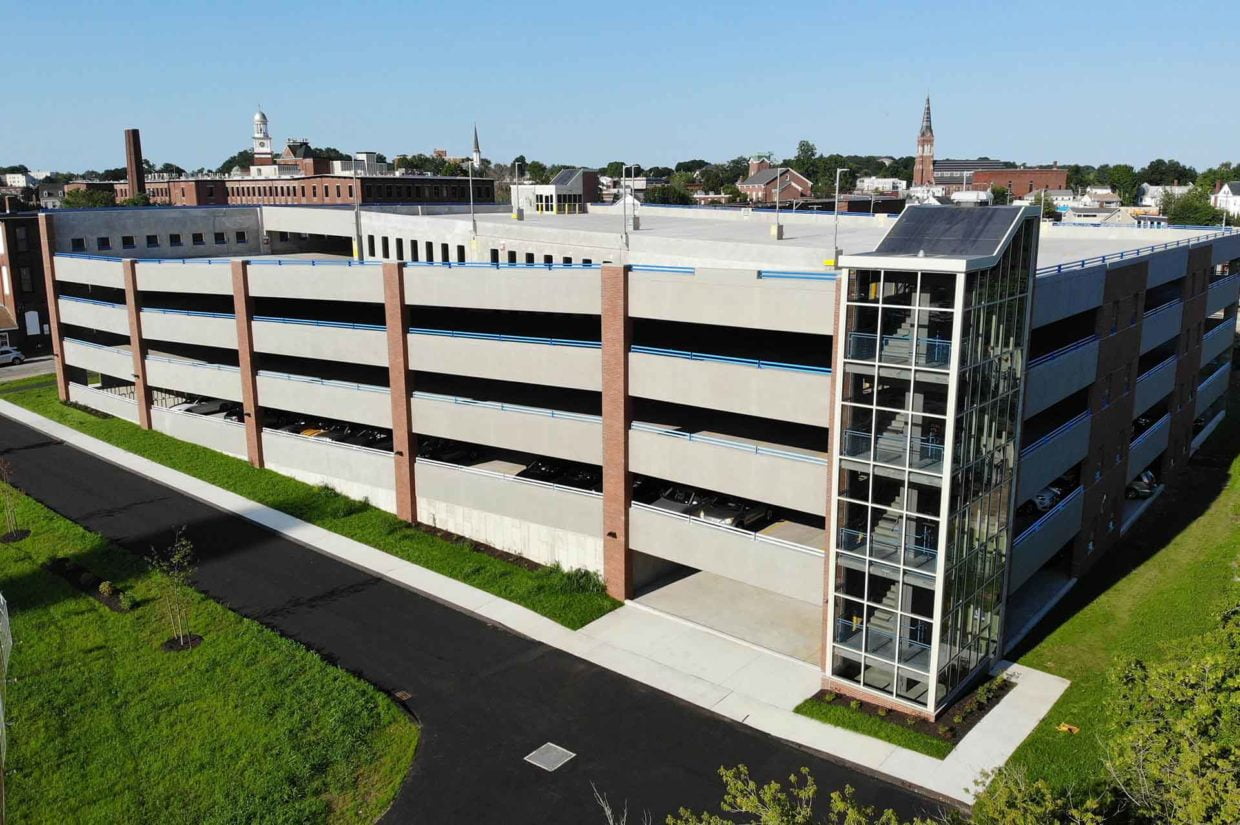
{"type": "Point", "coordinates": [505, 477]}
{"type": "Point", "coordinates": [1149, 313]}
{"type": "Point", "coordinates": [310, 262]}
{"type": "Point", "coordinates": [495, 336]}
{"type": "Point", "coordinates": [1149, 431]}
{"type": "Point", "coordinates": [1222, 371]}
{"type": "Point", "coordinates": [201, 364]}
{"type": "Point", "coordinates": [1055, 433]}
{"type": "Point", "coordinates": [727, 359]}
{"type": "Point", "coordinates": [503, 407]}
{"type": "Point", "coordinates": [499, 265]}
{"type": "Point", "coordinates": [190, 312]}
{"type": "Point", "coordinates": [927, 450]}
{"type": "Point", "coordinates": [1128, 254]}
{"type": "Point", "coordinates": [327, 382]}
{"type": "Point", "coordinates": [93, 345]}
{"type": "Point", "coordinates": [931, 352]}
{"type": "Point", "coordinates": [1227, 324]}
{"type": "Point", "coordinates": [271, 319]}
{"type": "Point", "coordinates": [1170, 359]}
{"type": "Point", "coordinates": [95, 301]}
{"type": "Point", "coordinates": [723, 442]}
{"type": "Point", "coordinates": [328, 442]}
{"type": "Point", "coordinates": [862, 540]}
{"type": "Point", "coordinates": [1046, 517]}
{"type": "Point", "coordinates": [675, 270]}
{"type": "Point", "coordinates": [83, 256]}
{"type": "Point", "coordinates": [695, 520]}
{"type": "Point", "coordinates": [195, 417]}
{"type": "Point", "coordinates": [1050, 356]}
{"type": "Point", "coordinates": [776, 274]}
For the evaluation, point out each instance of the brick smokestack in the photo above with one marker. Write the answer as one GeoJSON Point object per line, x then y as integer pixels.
{"type": "Point", "coordinates": [133, 163]}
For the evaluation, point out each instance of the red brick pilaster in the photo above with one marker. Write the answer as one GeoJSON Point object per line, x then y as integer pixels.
{"type": "Point", "coordinates": [137, 347]}
{"type": "Point", "coordinates": [48, 240]}
{"type": "Point", "coordinates": [617, 416]}
{"type": "Point", "coordinates": [243, 310]}
{"type": "Point", "coordinates": [404, 445]}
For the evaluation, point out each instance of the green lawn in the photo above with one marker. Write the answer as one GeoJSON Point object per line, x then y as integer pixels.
{"type": "Point", "coordinates": [891, 729]}
{"type": "Point", "coordinates": [104, 727]}
{"type": "Point", "coordinates": [573, 599]}
{"type": "Point", "coordinates": [1191, 545]}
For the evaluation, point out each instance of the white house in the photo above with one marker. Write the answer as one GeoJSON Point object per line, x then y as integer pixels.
{"type": "Point", "coordinates": [1151, 196]}
{"type": "Point", "coordinates": [1227, 198]}
{"type": "Point", "coordinates": [1099, 197]}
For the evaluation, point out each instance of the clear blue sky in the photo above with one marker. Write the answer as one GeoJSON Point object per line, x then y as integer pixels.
{"type": "Point", "coordinates": [648, 82]}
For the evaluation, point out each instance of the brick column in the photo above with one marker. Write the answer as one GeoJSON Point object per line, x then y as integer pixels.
{"type": "Point", "coordinates": [137, 347]}
{"type": "Point", "coordinates": [617, 331]}
{"type": "Point", "coordinates": [243, 309]}
{"type": "Point", "coordinates": [47, 239]}
{"type": "Point", "coordinates": [404, 445]}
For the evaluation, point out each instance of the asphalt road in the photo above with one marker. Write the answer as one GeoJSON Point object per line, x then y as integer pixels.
{"type": "Point", "coordinates": [485, 696]}
{"type": "Point", "coordinates": [34, 365]}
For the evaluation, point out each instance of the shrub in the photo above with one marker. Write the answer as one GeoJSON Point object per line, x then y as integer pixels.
{"type": "Point", "coordinates": [829, 696]}
{"type": "Point", "coordinates": [944, 730]}
{"type": "Point", "coordinates": [910, 720]}
{"type": "Point", "coordinates": [106, 589]}
{"type": "Point", "coordinates": [125, 601]}
{"type": "Point", "coordinates": [855, 704]}
{"type": "Point", "coordinates": [883, 711]}
{"type": "Point", "coordinates": [86, 578]}
{"type": "Point", "coordinates": [958, 718]}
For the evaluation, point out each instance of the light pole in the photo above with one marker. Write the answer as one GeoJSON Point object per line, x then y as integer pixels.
{"type": "Point", "coordinates": [625, 168]}
{"type": "Point", "coordinates": [777, 231]}
{"type": "Point", "coordinates": [836, 242]}
{"type": "Point", "coordinates": [357, 212]}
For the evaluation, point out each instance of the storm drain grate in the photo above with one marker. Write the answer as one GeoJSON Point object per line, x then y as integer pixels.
{"type": "Point", "coordinates": [550, 756]}
{"type": "Point", "coordinates": [403, 695]}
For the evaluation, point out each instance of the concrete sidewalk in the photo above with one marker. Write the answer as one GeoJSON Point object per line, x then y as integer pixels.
{"type": "Point", "coordinates": [735, 679]}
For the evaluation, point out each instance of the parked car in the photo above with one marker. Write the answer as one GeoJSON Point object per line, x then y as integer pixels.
{"type": "Point", "coordinates": [334, 434]}
{"type": "Point", "coordinates": [11, 356]}
{"type": "Point", "coordinates": [213, 407]}
{"type": "Point", "coordinates": [448, 451]}
{"type": "Point", "coordinates": [678, 499]}
{"type": "Point", "coordinates": [543, 470]}
{"type": "Point", "coordinates": [645, 490]}
{"type": "Point", "coordinates": [295, 426]}
{"type": "Point", "coordinates": [367, 437]}
{"type": "Point", "coordinates": [235, 414]}
{"type": "Point", "coordinates": [1047, 497]}
{"type": "Point", "coordinates": [734, 512]}
{"type": "Point", "coordinates": [1143, 486]}
{"type": "Point", "coordinates": [583, 478]}
{"type": "Point", "coordinates": [184, 406]}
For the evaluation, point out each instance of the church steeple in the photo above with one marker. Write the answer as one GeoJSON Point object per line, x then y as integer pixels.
{"type": "Point", "coordinates": [923, 163]}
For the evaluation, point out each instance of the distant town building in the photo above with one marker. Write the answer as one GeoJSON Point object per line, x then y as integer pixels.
{"type": "Point", "coordinates": [923, 163]}
{"type": "Point", "coordinates": [876, 184]}
{"type": "Point", "coordinates": [23, 295]}
{"type": "Point", "coordinates": [1151, 196]}
{"type": "Point", "coordinates": [1227, 198]}
{"type": "Point", "coordinates": [765, 180]}
{"type": "Point", "coordinates": [567, 193]}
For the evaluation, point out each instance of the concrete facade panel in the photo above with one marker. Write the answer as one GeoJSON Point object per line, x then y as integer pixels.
{"type": "Point", "coordinates": [1035, 547]}
{"type": "Point", "coordinates": [207, 431]}
{"type": "Point", "coordinates": [1051, 459]}
{"type": "Point", "coordinates": [350, 346]}
{"type": "Point", "coordinates": [567, 438]}
{"type": "Point", "coordinates": [1215, 342]}
{"type": "Point", "coordinates": [1153, 386]}
{"type": "Point", "coordinates": [174, 276]}
{"type": "Point", "coordinates": [1211, 389]}
{"type": "Point", "coordinates": [105, 317]}
{"type": "Point", "coordinates": [179, 327]}
{"type": "Point", "coordinates": [1160, 325]}
{"type": "Point", "coordinates": [1167, 266]}
{"type": "Point", "coordinates": [1153, 442]}
{"type": "Point", "coordinates": [544, 364]}
{"type": "Point", "coordinates": [331, 282]}
{"type": "Point", "coordinates": [784, 482]}
{"type": "Point", "coordinates": [106, 360]}
{"type": "Point", "coordinates": [736, 298]}
{"type": "Point", "coordinates": [1222, 294]}
{"type": "Point", "coordinates": [107, 402]}
{"type": "Point", "coordinates": [728, 553]}
{"type": "Point", "coordinates": [194, 379]}
{"type": "Point", "coordinates": [1052, 381]}
{"type": "Point", "coordinates": [533, 289]}
{"type": "Point", "coordinates": [328, 400]}
{"type": "Point", "coordinates": [87, 271]}
{"type": "Point", "coordinates": [1064, 294]}
{"type": "Point", "coordinates": [783, 395]}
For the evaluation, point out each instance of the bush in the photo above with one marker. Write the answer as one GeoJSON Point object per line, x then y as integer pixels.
{"type": "Point", "coordinates": [829, 696]}
{"type": "Point", "coordinates": [106, 589]}
{"type": "Point", "coordinates": [125, 601]}
{"type": "Point", "coordinates": [958, 718]}
{"type": "Point", "coordinates": [910, 720]}
{"type": "Point", "coordinates": [86, 578]}
{"type": "Point", "coordinates": [883, 711]}
{"type": "Point", "coordinates": [855, 704]}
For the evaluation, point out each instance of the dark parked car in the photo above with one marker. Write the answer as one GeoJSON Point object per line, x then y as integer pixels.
{"type": "Point", "coordinates": [448, 451]}
{"type": "Point", "coordinates": [214, 407]}
{"type": "Point", "coordinates": [677, 499]}
{"type": "Point", "coordinates": [645, 490]}
{"type": "Point", "coordinates": [543, 470]}
{"type": "Point", "coordinates": [583, 478]}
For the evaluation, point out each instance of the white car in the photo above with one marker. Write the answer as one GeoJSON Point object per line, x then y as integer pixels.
{"type": "Point", "coordinates": [11, 355]}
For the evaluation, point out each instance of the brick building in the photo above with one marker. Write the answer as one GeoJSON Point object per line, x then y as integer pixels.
{"type": "Point", "coordinates": [23, 297]}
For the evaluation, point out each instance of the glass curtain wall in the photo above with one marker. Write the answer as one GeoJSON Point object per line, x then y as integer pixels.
{"type": "Point", "coordinates": [986, 448]}
{"type": "Point", "coordinates": [899, 332]}
{"type": "Point", "coordinates": [896, 558]}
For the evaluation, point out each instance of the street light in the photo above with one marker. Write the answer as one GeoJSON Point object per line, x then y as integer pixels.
{"type": "Point", "coordinates": [624, 203]}
{"type": "Point", "coordinates": [836, 242]}
{"type": "Point", "coordinates": [357, 213]}
{"type": "Point", "coordinates": [475, 159]}
{"type": "Point", "coordinates": [777, 231]}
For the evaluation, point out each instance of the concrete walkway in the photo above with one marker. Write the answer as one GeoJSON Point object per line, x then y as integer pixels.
{"type": "Point", "coordinates": [752, 686]}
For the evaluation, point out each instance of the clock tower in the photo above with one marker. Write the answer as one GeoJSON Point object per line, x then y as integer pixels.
{"type": "Point", "coordinates": [262, 141]}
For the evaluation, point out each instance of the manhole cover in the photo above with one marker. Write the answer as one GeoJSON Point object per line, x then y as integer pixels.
{"type": "Point", "coordinates": [550, 756]}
